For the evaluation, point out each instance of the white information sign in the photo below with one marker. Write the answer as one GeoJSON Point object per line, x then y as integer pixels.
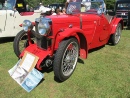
{"type": "Point", "coordinates": [24, 72]}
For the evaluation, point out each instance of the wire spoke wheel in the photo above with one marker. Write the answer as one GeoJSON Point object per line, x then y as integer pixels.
{"type": "Point", "coordinates": [117, 34]}
{"type": "Point", "coordinates": [69, 59]}
{"type": "Point", "coordinates": [66, 59]}
{"type": "Point", "coordinates": [21, 42]}
{"type": "Point", "coordinates": [115, 38]}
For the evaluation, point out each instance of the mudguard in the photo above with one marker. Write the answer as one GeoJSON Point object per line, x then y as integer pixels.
{"type": "Point", "coordinates": [69, 32]}
{"type": "Point", "coordinates": [115, 23]}
{"type": "Point", "coordinates": [42, 54]}
{"type": "Point", "coordinates": [79, 35]}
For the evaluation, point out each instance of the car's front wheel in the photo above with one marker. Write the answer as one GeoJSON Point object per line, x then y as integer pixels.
{"type": "Point", "coordinates": [66, 59]}
{"type": "Point", "coordinates": [21, 42]}
{"type": "Point", "coordinates": [115, 38]}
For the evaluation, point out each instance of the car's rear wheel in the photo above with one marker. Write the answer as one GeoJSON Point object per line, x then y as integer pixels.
{"type": "Point", "coordinates": [21, 42]}
{"type": "Point", "coordinates": [115, 38]}
{"type": "Point", "coordinates": [66, 59]}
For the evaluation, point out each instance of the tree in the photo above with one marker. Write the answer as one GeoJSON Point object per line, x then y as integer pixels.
{"type": "Point", "coordinates": [110, 4]}
{"type": "Point", "coordinates": [33, 3]}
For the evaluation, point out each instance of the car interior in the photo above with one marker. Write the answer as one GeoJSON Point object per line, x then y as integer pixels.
{"type": "Point", "coordinates": [1, 6]}
{"type": "Point", "coordinates": [21, 8]}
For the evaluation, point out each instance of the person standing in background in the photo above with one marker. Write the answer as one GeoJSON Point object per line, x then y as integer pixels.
{"type": "Point", "coordinates": [41, 7]}
{"type": "Point", "coordinates": [27, 8]}
{"type": "Point", "coordinates": [31, 9]}
{"type": "Point", "coordinates": [103, 5]}
{"type": "Point", "coordinates": [87, 4]}
{"type": "Point", "coordinates": [53, 11]}
{"type": "Point", "coordinates": [44, 9]}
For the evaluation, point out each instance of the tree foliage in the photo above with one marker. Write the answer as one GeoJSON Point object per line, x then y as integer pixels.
{"type": "Point", "coordinates": [110, 4]}
{"type": "Point", "coordinates": [33, 3]}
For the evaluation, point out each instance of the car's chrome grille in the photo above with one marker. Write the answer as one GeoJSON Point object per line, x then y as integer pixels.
{"type": "Point", "coordinates": [122, 14]}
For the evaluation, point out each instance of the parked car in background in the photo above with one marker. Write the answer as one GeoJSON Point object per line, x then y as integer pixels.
{"type": "Point", "coordinates": [61, 39]}
{"type": "Point", "coordinates": [12, 14]}
{"type": "Point", "coordinates": [56, 6]}
{"type": "Point", "coordinates": [122, 10]}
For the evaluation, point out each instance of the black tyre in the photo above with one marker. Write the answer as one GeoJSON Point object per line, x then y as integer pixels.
{"type": "Point", "coordinates": [115, 38]}
{"type": "Point", "coordinates": [21, 42]}
{"type": "Point", "coordinates": [66, 59]}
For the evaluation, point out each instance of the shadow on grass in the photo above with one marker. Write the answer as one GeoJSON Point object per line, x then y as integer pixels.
{"type": "Point", "coordinates": [57, 80]}
{"type": "Point", "coordinates": [96, 49]}
{"type": "Point", "coordinates": [47, 69]}
{"type": "Point", "coordinates": [40, 82]}
{"type": "Point", "coordinates": [80, 61]}
{"type": "Point", "coordinates": [6, 39]}
{"type": "Point", "coordinates": [50, 69]}
{"type": "Point", "coordinates": [110, 44]}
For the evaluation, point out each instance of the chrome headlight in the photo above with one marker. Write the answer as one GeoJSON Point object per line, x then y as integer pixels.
{"type": "Point", "coordinates": [27, 25]}
{"type": "Point", "coordinates": [43, 27]}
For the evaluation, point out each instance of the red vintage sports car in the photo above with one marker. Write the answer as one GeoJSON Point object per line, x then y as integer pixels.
{"type": "Point", "coordinates": [61, 39]}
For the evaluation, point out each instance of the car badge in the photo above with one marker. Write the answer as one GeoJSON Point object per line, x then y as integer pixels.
{"type": "Point", "coordinates": [70, 26]}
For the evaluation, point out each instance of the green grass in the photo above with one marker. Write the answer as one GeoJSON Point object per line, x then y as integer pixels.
{"type": "Point", "coordinates": [104, 74]}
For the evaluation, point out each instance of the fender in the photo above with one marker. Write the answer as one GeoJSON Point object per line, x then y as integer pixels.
{"type": "Point", "coordinates": [115, 23]}
{"type": "Point", "coordinates": [40, 53]}
{"type": "Point", "coordinates": [78, 34]}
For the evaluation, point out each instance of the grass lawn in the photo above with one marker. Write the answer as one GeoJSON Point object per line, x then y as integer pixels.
{"type": "Point", "coordinates": [104, 74]}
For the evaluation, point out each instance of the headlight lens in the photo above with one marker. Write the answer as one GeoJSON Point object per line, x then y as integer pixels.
{"type": "Point", "coordinates": [27, 25]}
{"type": "Point", "coordinates": [43, 27]}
